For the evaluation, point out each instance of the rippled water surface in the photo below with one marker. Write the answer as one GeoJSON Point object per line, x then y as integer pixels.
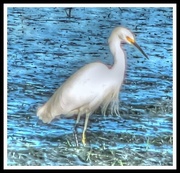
{"type": "Point", "coordinates": [47, 45]}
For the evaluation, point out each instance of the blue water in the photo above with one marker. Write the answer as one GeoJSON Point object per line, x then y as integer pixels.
{"type": "Point", "coordinates": [46, 46]}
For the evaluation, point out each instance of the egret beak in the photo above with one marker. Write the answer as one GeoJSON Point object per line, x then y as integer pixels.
{"type": "Point", "coordinates": [136, 45]}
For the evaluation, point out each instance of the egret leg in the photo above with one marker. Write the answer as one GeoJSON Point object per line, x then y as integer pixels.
{"type": "Point", "coordinates": [75, 130]}
{"type": "Point", "coordinates": [84, 131]}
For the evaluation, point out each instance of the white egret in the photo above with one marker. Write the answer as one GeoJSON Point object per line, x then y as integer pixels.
{"type": "Point", "coordinates": [92, 86]}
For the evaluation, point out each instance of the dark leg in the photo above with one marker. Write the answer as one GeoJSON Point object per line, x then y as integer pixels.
{"type": "Point", "coordinates": [85, 127]}
{"type": "Point", "coordinates": [75, 133]}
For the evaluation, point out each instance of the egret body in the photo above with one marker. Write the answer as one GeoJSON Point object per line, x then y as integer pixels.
{"type": "Point", "coordinates": [92, 86]}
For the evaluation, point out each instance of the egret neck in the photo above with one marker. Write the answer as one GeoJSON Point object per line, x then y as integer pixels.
{"type": "Point", "coordinates": [119, 65]}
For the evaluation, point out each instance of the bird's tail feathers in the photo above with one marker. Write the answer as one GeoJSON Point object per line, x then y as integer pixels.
{"type": "Point", "coordinates": [44, 114]}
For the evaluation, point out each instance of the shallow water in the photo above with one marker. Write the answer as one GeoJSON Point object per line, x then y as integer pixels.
{"type": "Point", "coordinates": [46, 46]}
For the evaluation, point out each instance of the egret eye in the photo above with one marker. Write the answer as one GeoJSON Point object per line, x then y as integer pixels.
{"type": "Point", "coordinates": [130, 40]}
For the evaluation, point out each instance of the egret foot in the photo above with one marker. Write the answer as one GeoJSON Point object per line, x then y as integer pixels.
{"type": "Point", "coordinates": [84, 139]}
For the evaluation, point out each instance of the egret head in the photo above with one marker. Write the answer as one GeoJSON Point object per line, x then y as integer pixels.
{"type": "Point", "coordinates": [125, 35]}
{"type": "Point", "coordinates": [128, 37]}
